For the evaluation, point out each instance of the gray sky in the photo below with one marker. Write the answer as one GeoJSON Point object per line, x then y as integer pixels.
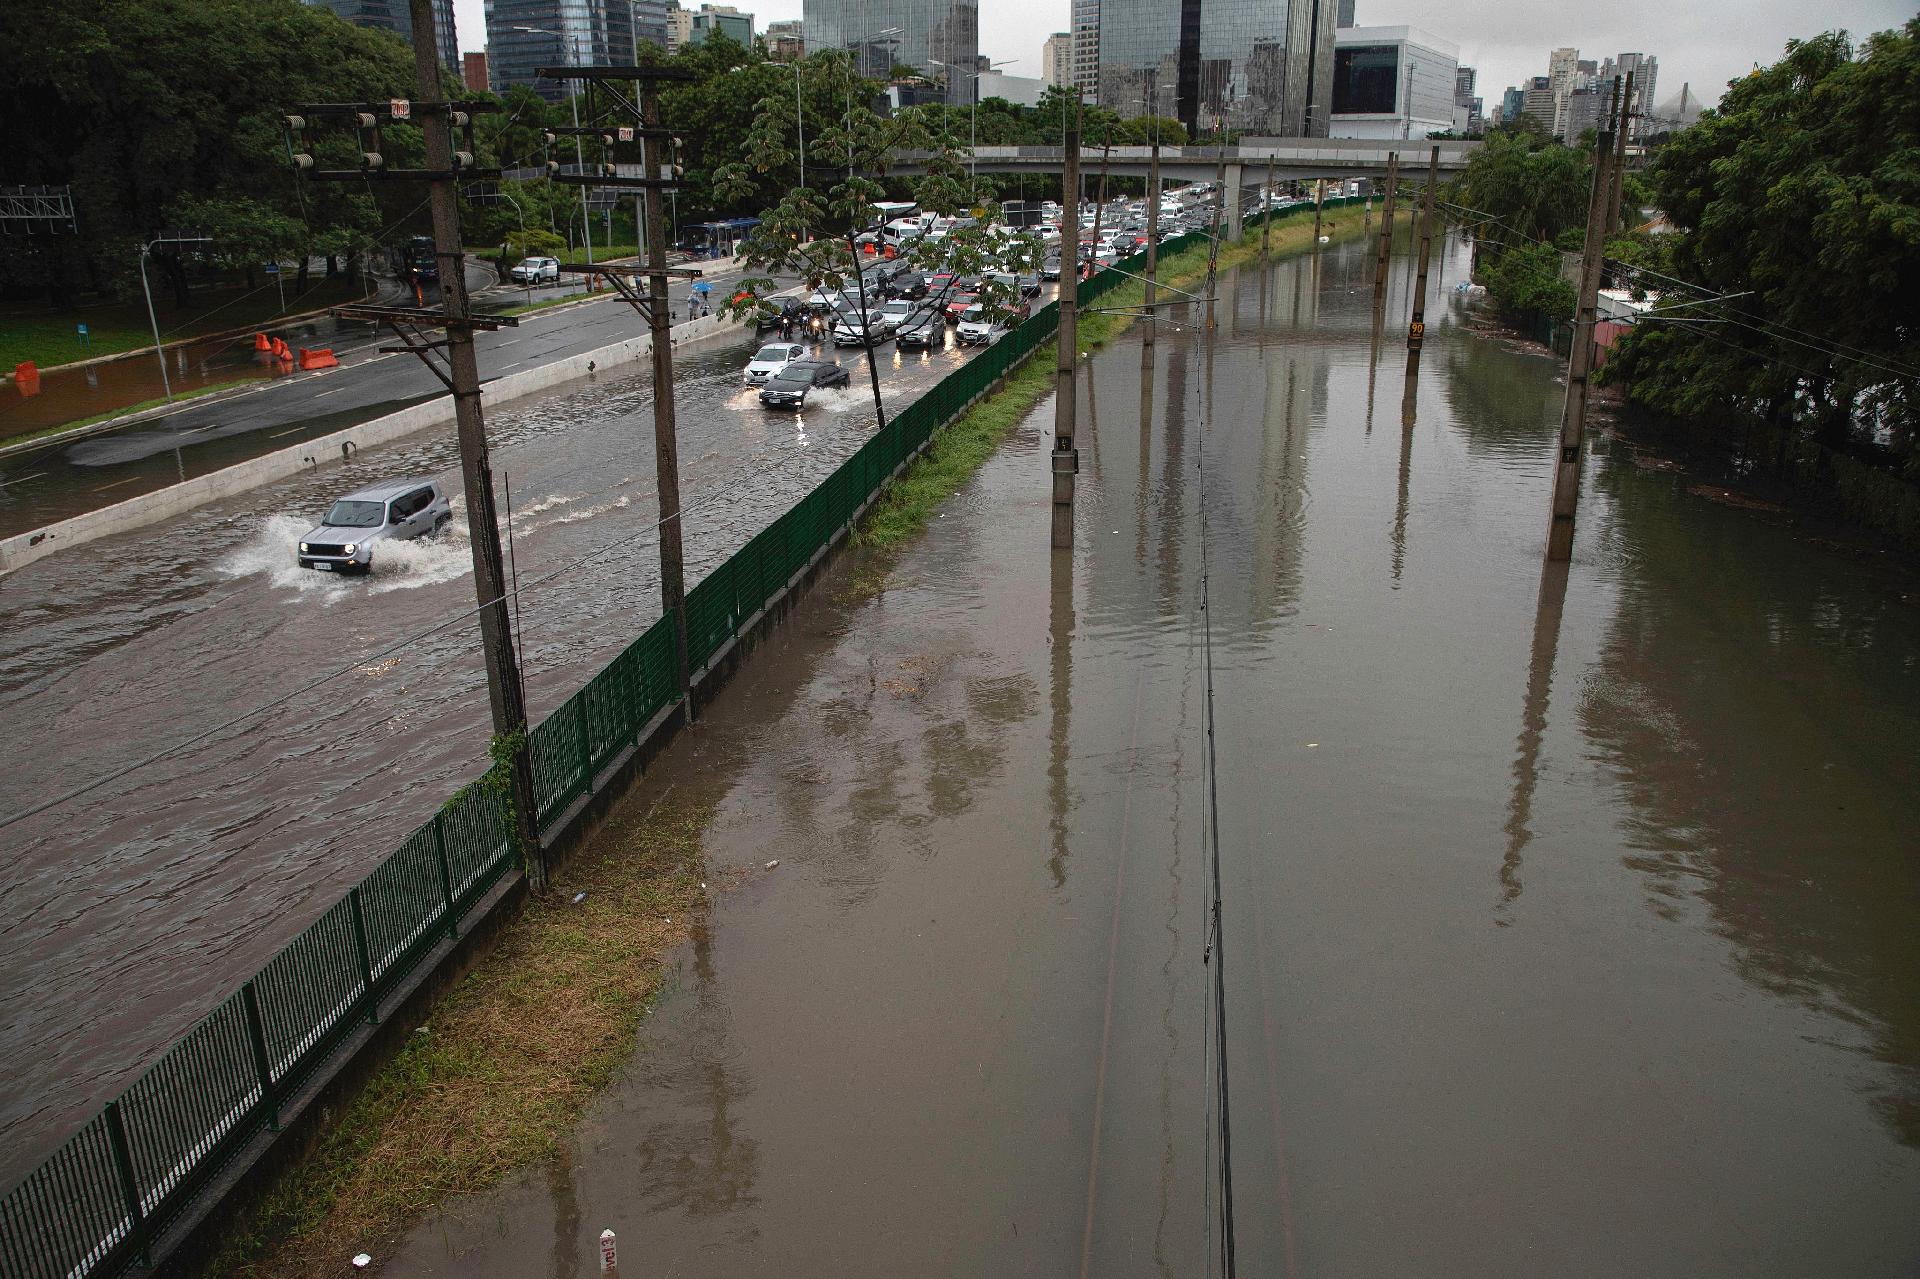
{"type": "Point", "coordinates": [1701, 42]}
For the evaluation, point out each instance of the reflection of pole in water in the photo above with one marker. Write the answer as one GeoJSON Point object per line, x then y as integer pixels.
{"type": "Point", "coordinates": [1406, 463]}
{"type": "Point", "coordinates": [1093, 421]}
{"type": "Point", "coordinates": [1171, 471]}
{"type": "Point", "coordinates": [1533, 729]}
{"type": "Point", "coordinates": [1373, 360]}
{"type": "Point", "coordinates": [1060, 623]}
{"type": "Point", "coordinates": [1146, 465]}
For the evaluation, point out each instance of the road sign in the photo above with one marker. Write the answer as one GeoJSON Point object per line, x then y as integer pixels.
{"type": "Point", "coordinates": [271, 268]}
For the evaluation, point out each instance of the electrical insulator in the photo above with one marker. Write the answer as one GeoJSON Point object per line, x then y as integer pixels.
{"type": "Point", "coordinates": [366, 121]}
{"type": "Point", "coordinates": [553, 168]}
{"type": "Point", "coordinates": [548, 138]}
{"type": "Point", "coordinates": [302, 161]}
{"type": "Point", "coordinates": [462, 160]}
{"type": "Point", "coordinates": [296, 122]}
{"type": "Point", "coordinates": [609, 171]}
{"type": "Point", "coordinates": [458, 119]}
{"type": "Point", "coordinates": [606, 139]}
{"type": "Point", "coordinates": [372, 160]}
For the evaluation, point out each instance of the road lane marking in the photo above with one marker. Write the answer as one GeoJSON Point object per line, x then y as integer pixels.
{"type": "Point", "coordinates": [289, 431]}
{"type": "Point", "coordinates": [23, 479]}
{"type": "Point", "coordinates": [336, 390]}
{"type": "Point", "coordinates": [116, 484]}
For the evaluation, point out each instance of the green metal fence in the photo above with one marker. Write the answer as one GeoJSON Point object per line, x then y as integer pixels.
{"type": "Point", "coordinates": [98, 1203]}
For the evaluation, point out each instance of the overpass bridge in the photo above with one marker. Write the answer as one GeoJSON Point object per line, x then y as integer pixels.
{"type": "Point", "coordinates": [1293, 159]}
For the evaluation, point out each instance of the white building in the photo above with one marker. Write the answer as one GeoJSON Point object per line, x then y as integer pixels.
{"type": "Point", "coordinates": [1392, 82]}
{"type": "Point", "coordinates": [1021, 90]}
{"type": "Point", "coordinates": [1056, 60]}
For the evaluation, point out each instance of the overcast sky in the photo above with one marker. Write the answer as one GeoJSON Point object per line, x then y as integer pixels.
{"type": "Point", "coordinates": [1701, 42]}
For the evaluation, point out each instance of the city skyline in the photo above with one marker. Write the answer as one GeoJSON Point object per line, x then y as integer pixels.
{"type": "Point", "coordinates": [1702, 45]}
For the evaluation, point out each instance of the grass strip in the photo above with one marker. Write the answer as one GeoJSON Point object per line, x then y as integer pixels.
{"type": "Point", "coordinates": [502, 1072]}
{"type": "Point", "coordinates": [957, 452]}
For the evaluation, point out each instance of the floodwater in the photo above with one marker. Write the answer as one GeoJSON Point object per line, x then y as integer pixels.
{"type": "Point", "coordinates": [126, 914]}
{"type": "Point", "coordinates": [1567, 916]}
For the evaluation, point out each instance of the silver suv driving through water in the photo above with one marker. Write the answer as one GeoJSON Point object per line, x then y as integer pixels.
{"type": "Point", "coordinates": [396, 510]}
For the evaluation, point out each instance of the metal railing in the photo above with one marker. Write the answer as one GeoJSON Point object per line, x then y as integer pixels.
{"type": "Point", "coordinates": [102, 1201]}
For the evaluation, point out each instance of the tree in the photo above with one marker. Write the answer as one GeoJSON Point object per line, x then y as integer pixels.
{"type": "Point", "coordinates": [139, 104]}
{"type": "Point", "coordinates": [814, 231]}
{"type": "Point", "coordinates": [1798, 202]}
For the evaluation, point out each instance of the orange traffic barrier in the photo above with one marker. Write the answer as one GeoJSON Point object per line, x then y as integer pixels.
{"type": "Point", "coordinates": [27, 377]}
{"type": "Point", "coordinates": [318, 358]}
{"type": "Point", "coordinates": [281, 351]}
{"type": "Point", "coordinates": [260, 342]}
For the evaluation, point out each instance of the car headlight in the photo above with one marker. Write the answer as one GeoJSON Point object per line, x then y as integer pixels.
{"type": "Point", "coordinates": [349, 548]}
{"type": "Point", "coordinates": [303, 548]}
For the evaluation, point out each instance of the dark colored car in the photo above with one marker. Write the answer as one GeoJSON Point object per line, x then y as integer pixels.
{"type": "Point", "coordinates": [910, 284]}
{"type": "Point", "coordinates": [926, 330]}
{"type": "Point", "coordinates": [1050, 268]}
{"type": "Point", "coordinates": [789, 390]}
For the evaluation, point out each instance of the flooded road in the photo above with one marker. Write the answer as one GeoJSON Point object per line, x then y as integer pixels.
{"type": "Point", "coordinates": [126, 914]}
{"type": "Point", "coordinates": [1568, 915]}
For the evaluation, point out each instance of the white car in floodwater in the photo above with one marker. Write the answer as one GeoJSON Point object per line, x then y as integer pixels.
{"type": "Point", "coordinates": [395, 511]}
{"type": "Point", "coordinates": [770, 361]}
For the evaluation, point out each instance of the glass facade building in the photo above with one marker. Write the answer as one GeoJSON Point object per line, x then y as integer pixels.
{"type": "Point", "coordinates": [396, 16]}
{"type": "Point", "coordinates": [928, 32]}
{"type": "Point", "coordinates": [1393, 82]}
{"type": "Point", "coordinates": [1249, 66]}
{"type": "Point", "coordinates": [568, 33]}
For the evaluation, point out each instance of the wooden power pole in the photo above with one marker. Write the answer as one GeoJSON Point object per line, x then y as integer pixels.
{"type": "Point", "coordinates": [1266, 216]}
{"type": "Point", "coordinates": [1066, 459]}
{"type": "Point", "coordinates": [1417, 326]}
{"type": "Point", "coordinates": [1615, 188]}
{"type": "Point", "coordinates": [1153, 252]}
{"type": "Point", "coordinates": [1573, 415]}
{"type": "Point", "coordinates": [1386, 230]}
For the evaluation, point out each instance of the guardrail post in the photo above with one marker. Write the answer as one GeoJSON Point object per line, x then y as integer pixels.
{"type": "Point", "coordinates": [446, 875]}
{"type": "Point", "coordinates": [262, 1066]}
{"type": "Point", "coordinates": [366, 956]}
{"type": "Point", "coordinates": [129, 1188]}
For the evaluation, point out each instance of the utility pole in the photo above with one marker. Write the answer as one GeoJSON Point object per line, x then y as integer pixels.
{"type": "Point", "coordinates": [1266, 217]}
{"type": "Point", "coordinates": [1386, 230]}
{"type": "Point", "coordinates": [666, 445]}
{"type": "Point", "coordinates": [1066, 459]}
{"type": "Point", "coordinates": [1573, 415]}
{"type": "Point", "coordinates": [1319, 199]}
{"type": "Point", "coordinates": [1417, 327]}
{"type": "Point", "coordinates": [504, 692]}
{"type": "Point", "coordinates": [1219, 210]}
{"type": "Point", "coordinates": [1153, 251]}
{"type": "Point", "coordinates": [1616, 189]}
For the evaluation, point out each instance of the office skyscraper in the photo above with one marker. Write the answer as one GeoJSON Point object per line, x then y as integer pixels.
{"type": "Point", "coordinates": [916, 33]}
{"type": "Point", "coordinates": [1258, 66]}
{"type": "Point", "coordinates": [397, 17]}
{"type": "Point", "coordinates": [564, 33]}
{"type": "Point", "coordinates": [1086, 48]}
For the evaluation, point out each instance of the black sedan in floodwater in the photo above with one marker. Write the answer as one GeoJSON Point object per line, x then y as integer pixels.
{"type": "Point", "coordinates": [789, 390]}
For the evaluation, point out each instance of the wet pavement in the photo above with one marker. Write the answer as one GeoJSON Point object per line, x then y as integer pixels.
{"type": "Point", "coordinates": [39, 486]}
{"type": "Point", "coordinates": [1568, 915]}
{"type": "Point", "coordinates": [127, 914]}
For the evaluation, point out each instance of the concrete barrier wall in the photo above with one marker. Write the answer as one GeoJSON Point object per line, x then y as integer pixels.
{"type": "Point", "coordinates": [148, 508]}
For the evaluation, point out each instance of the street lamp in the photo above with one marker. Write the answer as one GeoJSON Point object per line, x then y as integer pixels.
{"type": "Point", "coordinates": [973, 112]}
{"type": "Point", "coordinates": [166, 384]}
{"type": "Point", "coordinates": [579, 158]}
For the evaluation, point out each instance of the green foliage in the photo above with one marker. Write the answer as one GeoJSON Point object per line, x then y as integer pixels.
{"type": "Point", "coordinates": [534, 242]}
{"type": "Point", "coordinates": [1800, 199]}
{"type": "Point", "coordinates": [142, 105]}
{"type": "Point", "coordinates": [1528, 279]}
{"type": "Point", "coordinates": [1535, 188]}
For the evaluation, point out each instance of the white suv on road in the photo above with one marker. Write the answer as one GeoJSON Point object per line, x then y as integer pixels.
{"type": "Point", "coordinates": [536, 271]}
{"type": "Point", "coordinates": [395, 511]}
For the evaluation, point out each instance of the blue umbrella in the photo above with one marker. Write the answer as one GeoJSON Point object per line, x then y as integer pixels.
{"type": "Point", "coordinates": [702, 286]}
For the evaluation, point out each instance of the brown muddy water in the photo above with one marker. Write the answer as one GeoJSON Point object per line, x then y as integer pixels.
{"type": "Point", "coordinates": [1569, 916]}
